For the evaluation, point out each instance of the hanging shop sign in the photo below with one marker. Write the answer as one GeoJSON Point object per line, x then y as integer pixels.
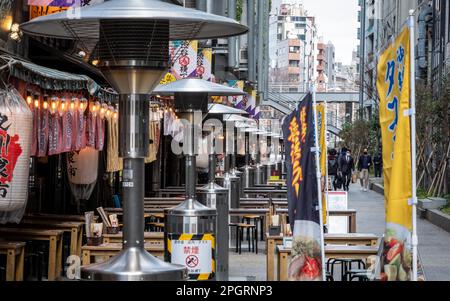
{"type": "Point", "coordinates": [195, 252]}
{"type": "Point", "coordinates": [15, 143]}
{"type": "Point", "coordinates": [204, 64]}
{"type": "Point", "coordinates": [239, 102]}
{"type": "Point", "coordinates": [183, 55]}
{"type": "Point", "coordinates": [251, 103]}
{"type": "Point", "coordinates": [40, 8]}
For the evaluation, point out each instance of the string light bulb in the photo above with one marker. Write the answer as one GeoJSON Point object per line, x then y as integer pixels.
{"type": "Point", "coordinates": [36, 103]}
{"type": "Point", "coordinates": [83, 105]}
{"type": "Point", "coordinates": [54, 105]}
{"type": "Point", "coordinates": [63, 107]}
{"type": "Point", "coordinates": [29, 98]}
{"type": "Point", "coordinates": [103, 110]}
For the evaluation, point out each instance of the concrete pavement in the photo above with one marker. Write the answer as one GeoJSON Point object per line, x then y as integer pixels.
{"type": "Point", "coordinates": [434, 243]}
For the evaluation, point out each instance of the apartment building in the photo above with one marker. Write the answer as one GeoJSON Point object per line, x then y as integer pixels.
{"type": "Point", "coordinates": [292, 30]}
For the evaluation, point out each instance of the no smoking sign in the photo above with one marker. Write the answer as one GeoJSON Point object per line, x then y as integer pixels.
{"type": "Point", "coordinates": [192, 261]}
{"type": "Point", "coordinates": [194, 252]}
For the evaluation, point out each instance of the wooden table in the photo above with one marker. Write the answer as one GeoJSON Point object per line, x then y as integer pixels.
{"type": "Point", "coordinates": [15, 258]}
{"type": "Point", "coordinates": [54, 237]}
{"type": "Point", "coordinates": [67, 218]}
{"type": "Point", "coordinates": [330, 239]}
{"type": "Point", "coordinates": [74, 228]}
{"type": "Point", "coordinates": [151, 237]}
{"type": "Point", "coordinates": [342, 252]}
{"type": "Point", "coordinates": [111, 249]}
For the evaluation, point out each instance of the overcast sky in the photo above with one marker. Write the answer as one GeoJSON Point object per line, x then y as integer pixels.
{"type": "Point", "coordinates": [337, 21]}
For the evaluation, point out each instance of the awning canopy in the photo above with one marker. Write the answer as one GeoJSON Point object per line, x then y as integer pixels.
{"type": "Point", "coordinates": [50, 79]}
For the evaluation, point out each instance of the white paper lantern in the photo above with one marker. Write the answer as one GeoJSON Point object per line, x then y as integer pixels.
{"type": "Point", "coordinates": [16, 123]}
{"type": "Point", "coordinates": [82, 167]}
{"type": "Point", "coordinates": [82, 170]}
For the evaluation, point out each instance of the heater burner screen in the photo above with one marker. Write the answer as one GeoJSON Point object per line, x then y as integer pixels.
{"type": "Point", "coordinates": [146, 46]}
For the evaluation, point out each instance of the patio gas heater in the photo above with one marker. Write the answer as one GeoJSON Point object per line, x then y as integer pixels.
{"type": "Point", "coordinates": [195, 215]}
{"type": "Point", "coordinates": [130, 39]}
{"type": "Point", "coordinates": [245, 125]}
{"type": "Point", "coordinates": [249, 170]}
{"type": "Point", "coordinates": [229, 179]}
{"type": "Point", "coordinates": [260, 169]}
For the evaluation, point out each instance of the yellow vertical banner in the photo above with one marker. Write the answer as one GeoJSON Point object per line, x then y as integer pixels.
{"type": "Point", "coordinates": [393, 85]}
{"type": "Point", "coordinates": [320, 109]}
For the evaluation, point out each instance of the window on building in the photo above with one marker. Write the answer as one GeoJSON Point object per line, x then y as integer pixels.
{"type": "Point", "coordinates": [301, 37]}
{"type": "Point", "coordinates": [294, 49]}
{"type": "Point", "coordinates": [294, 63]}
{"type": "Point", "coordinates": [293, 77]}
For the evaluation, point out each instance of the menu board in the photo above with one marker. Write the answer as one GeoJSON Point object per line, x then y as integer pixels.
{"type": "Point", "coordinates": [337, 200]}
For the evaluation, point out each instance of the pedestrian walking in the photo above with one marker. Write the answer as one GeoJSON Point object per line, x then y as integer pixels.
{"type": "Point", "coordinates": [346, 167]}
{"type": "Point", "coordinates": [378, 164]}
{"type": "Point", "coordinates": [333, 167]}
{"type": "Point", "coordinates": [364, 164]}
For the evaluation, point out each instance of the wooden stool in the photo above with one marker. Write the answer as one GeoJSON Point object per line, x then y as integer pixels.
{"type": "Point", "coordinates": [255, 218]}
{"type": "Point", "coordinates": [251, 230]}
{"type": "Point", "coordinates": [15, 255]}
{"type": "Point", "coordinates": [157, 227]}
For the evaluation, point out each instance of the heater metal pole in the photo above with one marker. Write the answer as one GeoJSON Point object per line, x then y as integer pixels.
{"type": "Point", "coordinates": [247, 149]}
{"type": "Point", "coordinates": [133, 203]}
{"type": "Point", "coordinates": [133, 126]}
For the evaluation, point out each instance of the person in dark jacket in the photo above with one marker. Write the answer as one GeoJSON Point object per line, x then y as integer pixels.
{"type": "Point", "coordinates": [364, 164]}
{"type": "Point", "coordinates": [346, 167]}
{"type": "Point", "coordinates": [333, 167]}
{"type": "Point", "coordinates": [378, 164]}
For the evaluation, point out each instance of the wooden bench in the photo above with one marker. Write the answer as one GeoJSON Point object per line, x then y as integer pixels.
{"type": "Point", "coordinates": [54, 238]}
{"type": "Point", "coordinates": [150, 237]}
{"type": "Point", "coordinates": [15, 257]}
{"type": "Point", "coordinates": [75, 229]}
{"type": "Point", "coordinates": [111, 249]}
{"type": "Point", "coordinates": [341, 252]}
{"type": "Point", "coordinates": [354, 239]}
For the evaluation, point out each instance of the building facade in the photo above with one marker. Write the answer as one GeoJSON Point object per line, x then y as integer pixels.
{"type": "Point", "coordinates": [293, 34]}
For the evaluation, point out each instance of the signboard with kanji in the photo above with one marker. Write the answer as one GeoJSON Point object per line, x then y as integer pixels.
{"type": "Point", "coordinates": [195, 252]}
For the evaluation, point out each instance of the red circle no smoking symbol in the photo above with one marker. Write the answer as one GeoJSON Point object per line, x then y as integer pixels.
{"type": "Point", "coordinates": [184, 60]}
{"type": "Point", "coordinates": [192, 261]}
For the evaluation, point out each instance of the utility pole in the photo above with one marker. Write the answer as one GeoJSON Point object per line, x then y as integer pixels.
{"type": "Point", "coordinates": [362, 59]}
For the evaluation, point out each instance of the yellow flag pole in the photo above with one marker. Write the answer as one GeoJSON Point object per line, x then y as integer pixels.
{"type": "Point", "coordinates": [412, 114]}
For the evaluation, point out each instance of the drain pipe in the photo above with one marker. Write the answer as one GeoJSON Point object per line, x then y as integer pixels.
{"type": "Point", "coordinates": [424, 17]}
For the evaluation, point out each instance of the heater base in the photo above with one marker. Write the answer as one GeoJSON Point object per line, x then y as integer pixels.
{"type": "Point", "coordinates": [134, 264]}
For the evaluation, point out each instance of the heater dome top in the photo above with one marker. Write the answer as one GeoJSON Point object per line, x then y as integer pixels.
{"type": "Point", "coordinates": [219, 109]}
{"type": "Point", "coordinates": [241, 121]}
{"type": "Point", "coordinates": [84, 23]}
{"type": "Point", "coordinates": [196, 85]}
